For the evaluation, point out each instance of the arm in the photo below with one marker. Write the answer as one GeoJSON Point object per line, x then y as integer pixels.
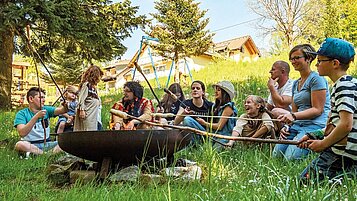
{"type": "Point", "coordinates": [280, 101]}
{"type": "Point", "coordinates": [24, 129]}
{"type": "Point", "coordinates": [339, 133]}
{"type": "Point", "coordinates": [261, 132]}
{"type": "Point", "coordinates": [227, 112]}
{"type": "Point", "coordinates": [318, 99]}
{"type": "Point", "coordinates": [146, 116]}
{"type": "Point", "coordinates": [178, 118]}
{"type": "Point", "coordinates": [62, 110]}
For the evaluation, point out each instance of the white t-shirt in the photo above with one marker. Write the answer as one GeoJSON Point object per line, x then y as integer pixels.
{"type": "Point", "coordinates": [286, 90]}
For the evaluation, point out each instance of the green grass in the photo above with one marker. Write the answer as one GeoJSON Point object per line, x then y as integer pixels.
{"type": "Point", "coordinates": [238, 174]}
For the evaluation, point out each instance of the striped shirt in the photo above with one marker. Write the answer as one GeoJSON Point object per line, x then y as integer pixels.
{"type": "Point", "coordinates": [344, 98]}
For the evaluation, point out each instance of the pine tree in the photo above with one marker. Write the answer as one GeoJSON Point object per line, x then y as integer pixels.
{"type": "Point", "coordinates": [180, 30]}
{"type": "Point", "coordinates": [89, 29]}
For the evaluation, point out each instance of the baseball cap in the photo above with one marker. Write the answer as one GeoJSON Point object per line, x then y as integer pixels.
{"type": "Point", "coordinates": [337, 49]}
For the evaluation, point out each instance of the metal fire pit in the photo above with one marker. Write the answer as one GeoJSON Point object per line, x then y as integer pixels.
{"type": "Point", "coordinates": [124, 146]}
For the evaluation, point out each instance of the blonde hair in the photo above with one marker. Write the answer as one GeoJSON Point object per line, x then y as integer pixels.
{"type": "Point", "coordinates": [258, 100]}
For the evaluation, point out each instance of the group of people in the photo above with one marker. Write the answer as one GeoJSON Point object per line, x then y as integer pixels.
{"type": "Point", "coordinates": [301, 109]}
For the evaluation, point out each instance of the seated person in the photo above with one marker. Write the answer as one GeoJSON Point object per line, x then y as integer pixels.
{"type": "Point", "coordinates": [224, 107]}
{"type": "Point", "coordinates": [32, 124]}
{"type": "Point", "coordinates": [171, 104]}
{"type": "Point", "coordinates": [198, 105]}
{"type": "Point", "coordinates": [255, 109]}
{"type": "Point", "coordinates": [280, 87]}
{"type": "Point", "coordinates": [66, 120]}
{"type": "Point", "coordinates": [133, 103]}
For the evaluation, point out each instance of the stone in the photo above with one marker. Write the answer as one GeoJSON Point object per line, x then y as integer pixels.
{"type": "Point", "coordinates": [128, 174]}
{"type": "Point", "coordinates": [151, 178]}
{"type": "Point", "coordinates": [82, 176]}
{"type": "Point", "coordinates": [190, 173]}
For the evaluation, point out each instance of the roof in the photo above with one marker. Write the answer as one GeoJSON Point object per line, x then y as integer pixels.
{"type": "Point", "coordinates": [20, 63]}
{"type": "Point", "coordinates": [120, 63]}
{"type": "Point", "coordinates": [235, 43]}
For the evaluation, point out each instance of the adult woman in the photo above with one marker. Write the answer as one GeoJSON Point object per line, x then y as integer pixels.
{"type": "Point", "coordinates": [224, 107]}
{"type": "Point", "coordinates": [311, 103]}
{"type": "Point", "coordinates": [88, 100]}
{"type": "Point", "coordinates": [133, 103]}
{"type": "Point", "coordinates": [170, 104]}
{"type": "Point", "coordinates": [198, 105]}
{"type": "Point", "coordinates": [255, 108]}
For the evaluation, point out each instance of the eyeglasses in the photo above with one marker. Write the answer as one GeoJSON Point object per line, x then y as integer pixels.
{"type": "Point", "coordinates": [319, 61]}
{"type": "Point", "coordinates": [197, 88]}
{"type": "Point", "coordinates": [296, 58]}
{"type": "Point", "coordinates": [126, 91]}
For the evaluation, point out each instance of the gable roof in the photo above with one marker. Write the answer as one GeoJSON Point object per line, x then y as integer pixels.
{"type": "Point", "coordinates": [236, 43]}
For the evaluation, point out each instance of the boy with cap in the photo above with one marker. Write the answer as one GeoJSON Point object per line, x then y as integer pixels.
{"type": "Point", "coordinates": [339, 145]}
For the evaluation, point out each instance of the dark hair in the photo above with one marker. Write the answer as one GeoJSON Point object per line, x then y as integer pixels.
{"type": "Point", "coordinates": [92, 75]}
{"type": "Point", "coordinates": [33, 91]}
{"type": "Point", "coordinates": [225, 99]}
{"type": "Point", "coordinates": [202, 86]}
{"type": "Point", "coordinates": [136, 88]}
{"type": "Point", "coordinates": [306, 49]}
{"type": "Point", "coordinates": [167, 101]}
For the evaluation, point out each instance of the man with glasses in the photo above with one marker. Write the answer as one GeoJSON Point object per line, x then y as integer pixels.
{"type": "Point", "coordinates": [280, 87]}
{"type": "Point", "coordinates": [32, 124]}
{"type": "Point", "coordinates": [133, 103]}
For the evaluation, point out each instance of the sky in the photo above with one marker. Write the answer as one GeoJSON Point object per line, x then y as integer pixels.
{"type": "Point", "coordinates": [222, 14]}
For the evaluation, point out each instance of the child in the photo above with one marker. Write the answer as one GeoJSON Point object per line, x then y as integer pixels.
{"type": "Point", "coordinates": [65, 121]}
{"type": "Point", "coordinates": [171, 104]}
{"type": "Point", "coordinates": [339, 147]}
{"type": "Point", "coordinates": [255, 109]}
{"type": "Point", "coordinates": [88, 100]}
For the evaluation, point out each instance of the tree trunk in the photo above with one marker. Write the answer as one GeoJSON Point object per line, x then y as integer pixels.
{"type": "Point", "coordinates": [6, 51]}
{"type": "Point", "coordinates": [177, 70]}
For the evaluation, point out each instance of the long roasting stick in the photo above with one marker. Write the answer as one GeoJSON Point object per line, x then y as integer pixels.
{"type": "Point", "coordinates": [203, 133]}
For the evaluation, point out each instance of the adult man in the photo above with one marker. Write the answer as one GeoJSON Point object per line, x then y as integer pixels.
{"type": "Point", "coordinates": [279, 84]}
{"type": "Point", "coordinates": [32, 123]}
{"type": "Point", "coordinates": [133, 103]}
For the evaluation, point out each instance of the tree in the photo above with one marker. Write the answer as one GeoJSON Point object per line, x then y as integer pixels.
{"type": "Point", "coordinates": [285, 16]}
{"type": "Point", "coordinates": [89, 29]}
{"type": "Point", "coordinates": [331, 18]}
{"type": "Point", "coordinates": [180, 29]}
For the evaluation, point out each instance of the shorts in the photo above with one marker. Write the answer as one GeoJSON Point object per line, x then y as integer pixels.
{"type": "Point", "coordinates": [49, 145]}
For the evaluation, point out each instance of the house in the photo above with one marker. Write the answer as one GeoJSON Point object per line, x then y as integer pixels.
{"type": "Point", "coordinates": [241, 48]}
{"type": "Point", "coordinates": [154, 66]}
{"type": "Point", "coordinates": [23, 80]}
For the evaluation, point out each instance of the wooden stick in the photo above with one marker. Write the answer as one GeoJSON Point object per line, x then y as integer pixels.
{"type": "Point", "coordinates": [204, 133]}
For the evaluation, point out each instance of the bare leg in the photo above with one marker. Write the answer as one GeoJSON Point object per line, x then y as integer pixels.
{"type": "Point", "coordinates": [23, 146]}
{"type": "Point", "coordinates": [61, 126]}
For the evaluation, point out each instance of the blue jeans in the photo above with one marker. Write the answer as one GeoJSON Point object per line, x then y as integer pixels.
{"type": "Point", "coordinates": [329, 165]}
{"type": "Point", "coordinates": [292, 152]}
{"type": "Point", "coordinates": [191, 122]}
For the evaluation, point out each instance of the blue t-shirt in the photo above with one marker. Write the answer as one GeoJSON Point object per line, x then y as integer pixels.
{"type": "Point", "coordinates": [37, 132]}
{"type": "Point", "coordinates": [302, 98]}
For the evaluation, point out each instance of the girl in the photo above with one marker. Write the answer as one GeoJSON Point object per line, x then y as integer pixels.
{"type": "Point", "coordinates": [171, 105]}
{"type": "Point", "coordinates": [223, 106]}
{"type": "Point", "coordinates": [255, 108]}
{"type": "Point", "coordinates": [88, 100]}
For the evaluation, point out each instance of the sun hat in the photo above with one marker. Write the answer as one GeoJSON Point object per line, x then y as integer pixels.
{"type": "Point", "coordinates": [336, 49]}
{"type": "Point", "coordinates": [228, 87]}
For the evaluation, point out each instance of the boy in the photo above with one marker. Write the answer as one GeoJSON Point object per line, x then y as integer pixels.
{"type": "Point", "coordinates": [66, 120]}
{"type": "Point", "coordinates": [30, 126]}
{"type": "Point", "coordinates": [339, 146]}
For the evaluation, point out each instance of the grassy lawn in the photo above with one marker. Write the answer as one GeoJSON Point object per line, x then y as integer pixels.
{"type": "Point", "coordinates": [238, 174]}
